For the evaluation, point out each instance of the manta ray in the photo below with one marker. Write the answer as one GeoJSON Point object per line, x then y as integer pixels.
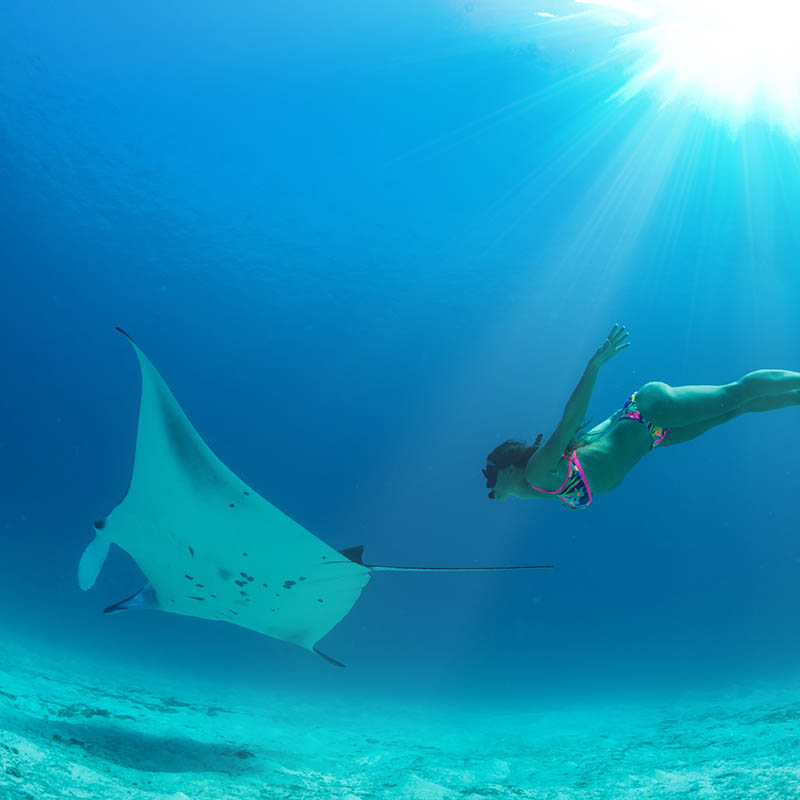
{"type": "Point", "coordinates": [211, 547]}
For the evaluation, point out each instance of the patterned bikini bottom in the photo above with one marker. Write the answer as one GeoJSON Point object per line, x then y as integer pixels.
{"type": "Point", "coordinates": [631, 411]}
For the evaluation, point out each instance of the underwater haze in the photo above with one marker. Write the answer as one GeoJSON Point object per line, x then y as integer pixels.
{"type": "Point", "coordinates": [364, 244]}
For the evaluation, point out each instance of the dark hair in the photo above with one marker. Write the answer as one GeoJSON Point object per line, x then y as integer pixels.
{"type": "Point", "coordinates": [513, 453]}
{"type": "Point", "coordinates": [510, 453]}
{"type": "Point", "coordinates": [517, 454]}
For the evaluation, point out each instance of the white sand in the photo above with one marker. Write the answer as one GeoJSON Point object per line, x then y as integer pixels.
{"type": "Point", "coordinates": [131, 737]}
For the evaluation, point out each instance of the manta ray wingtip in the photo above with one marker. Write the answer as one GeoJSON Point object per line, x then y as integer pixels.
{"type": "Point", "coordinates": [125, 334]}
{"type": "Point", "coordinates": [328, 658]}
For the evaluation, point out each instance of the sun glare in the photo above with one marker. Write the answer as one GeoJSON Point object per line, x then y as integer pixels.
{"type": "Point", "coordinates": [732, 57]}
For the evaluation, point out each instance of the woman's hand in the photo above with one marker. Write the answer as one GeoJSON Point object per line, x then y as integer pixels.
{"type": "Point", "coordinates": [615, 341]}
{"type": "Point", "coordinates": [544, 463]}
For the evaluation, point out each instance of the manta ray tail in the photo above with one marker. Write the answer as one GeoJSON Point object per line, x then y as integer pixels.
{"type": "Point", "coordinates": [92, 559]}
{"type": "Point", "coordinates": [392, 568]}
{"type": "Point", "coordinates": [357, 554]}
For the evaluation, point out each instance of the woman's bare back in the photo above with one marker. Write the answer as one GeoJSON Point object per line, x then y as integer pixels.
{"type": "Point", "coordinates": [609, 457]}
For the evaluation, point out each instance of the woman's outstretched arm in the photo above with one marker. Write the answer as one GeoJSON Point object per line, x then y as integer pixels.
{"type": "Point", "coordinates": [546, 459]}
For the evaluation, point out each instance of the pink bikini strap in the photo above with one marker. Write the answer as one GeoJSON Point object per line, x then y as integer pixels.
{"type": "Point", "coordinates": [574, 458]}
{"type": "Point", "coordinates": [558, 491]}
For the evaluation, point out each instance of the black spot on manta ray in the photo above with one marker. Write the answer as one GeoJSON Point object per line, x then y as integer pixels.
{"type": "Point", "coordinates": [231, 505]}
{"type": "Point", "coordinates": [191, 551]}
{"type": "Point", "coordinates": [245, 492]}
{"type": "Point", "coordinates": [192, 597]}
{"type": "Point", "coordinates": [224, 574]}
{"type": "Point", "coordinates": [187, 576]}
{"type": "Point", "coordinates": [214, 596]}
{"type": "Point", "coordinates": [288, 584]}
{"type": "Point", "coordinates": [240, 583]}
{"type": "Point", "coordinates": [200, 586]}
{"type": "Point", "coordinates": [243, 574]}
{"type": "Point", "coordinates": [243, 593]}
{"type": "Point", "coordinates": [250, 578]}
{"type": "Point", "coordinates": [320, 600]}
{"type": "Point", "coordinates": [265, 585]}
{"type": "Point", "coordinates": [302, 578]}
{"type": "Point", "coordinates": [99, 524]}
{"type": "Point", "coordinates": [235, 613]}
{"type": "Point", "coordinates": [244, 554]}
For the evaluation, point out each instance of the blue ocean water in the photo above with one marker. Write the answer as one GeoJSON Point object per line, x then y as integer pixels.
{"type": "Point", "coordinates": [364, 245]}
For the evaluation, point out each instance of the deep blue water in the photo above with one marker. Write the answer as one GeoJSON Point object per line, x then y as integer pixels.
{"type": "Point", "coordinates": [363, 245]}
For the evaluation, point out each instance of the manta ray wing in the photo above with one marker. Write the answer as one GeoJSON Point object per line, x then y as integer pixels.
{"type": "Point", "coordinates": [212, 547]}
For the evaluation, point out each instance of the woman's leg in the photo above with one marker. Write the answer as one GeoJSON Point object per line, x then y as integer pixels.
{"type": "Point", "coordinates": [687, 432]}
{"type": "Point", "coordinates": [680, 406]}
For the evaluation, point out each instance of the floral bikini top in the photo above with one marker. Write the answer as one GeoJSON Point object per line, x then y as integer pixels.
{"type": "Point", "coordinates": [575, 491]}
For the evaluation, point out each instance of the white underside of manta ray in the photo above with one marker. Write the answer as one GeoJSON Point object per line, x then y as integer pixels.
{"type": "Point", "coordinates": [212, 547]}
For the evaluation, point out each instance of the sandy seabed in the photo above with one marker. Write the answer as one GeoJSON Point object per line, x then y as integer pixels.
{"type": "Point", "coordinates": [66, 732]}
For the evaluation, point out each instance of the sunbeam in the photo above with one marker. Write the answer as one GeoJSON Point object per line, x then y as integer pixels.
{"type": "Point", "coordinates": [732, 58]}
